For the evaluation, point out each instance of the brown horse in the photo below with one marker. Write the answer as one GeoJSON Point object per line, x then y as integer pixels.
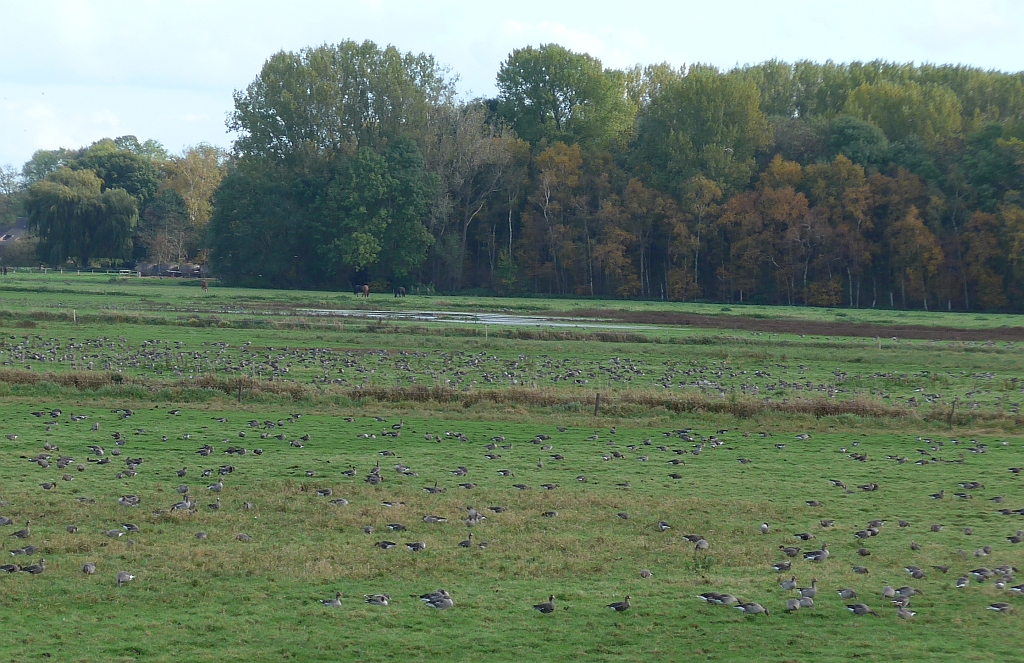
{"type": "Point", "coordinates": [365, 291]}
{"type": "Point", "coordinates": [205, 286]}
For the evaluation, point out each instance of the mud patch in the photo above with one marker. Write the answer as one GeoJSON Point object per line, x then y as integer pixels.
{"type": "Point", "coordinates": [807, 327]}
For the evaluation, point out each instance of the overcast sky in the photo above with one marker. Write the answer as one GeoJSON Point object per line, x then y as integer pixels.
{"type": "Point", "coordinates": [74, 71]}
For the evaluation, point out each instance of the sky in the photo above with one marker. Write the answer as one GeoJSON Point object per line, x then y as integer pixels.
{"type": "Point", "coordinates": [75, 71]}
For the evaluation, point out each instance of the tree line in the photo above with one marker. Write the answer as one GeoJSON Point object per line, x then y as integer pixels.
{"type": "Point", "coordinates": [862, 184]}
{"type": "Point", "coordinates": [115, 202]}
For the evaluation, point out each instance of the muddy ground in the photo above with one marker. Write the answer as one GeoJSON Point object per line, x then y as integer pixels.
{"type": "Point", "coordinates": [808, 327]}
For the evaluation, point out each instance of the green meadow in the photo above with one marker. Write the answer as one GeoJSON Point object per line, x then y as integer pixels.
{"type": "Point", "coordinates": [713, 431]}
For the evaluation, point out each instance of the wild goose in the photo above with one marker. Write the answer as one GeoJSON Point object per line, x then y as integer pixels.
{"type": "Point", "coordinates": [113, 533]}
{"type": "Point", "coordinates": [781, 567]}
{"type": "Point", "coordinates": [333, 603]}
{"type": "Point", "coordinates": [547, 607]}
{"type": "Point", "coordinates": [847, 594]}
{"type": "Point", "coordinates": [243, 537]}
{"type": "Point", "coordinates": [792, 605]}
{"type": "Point", "coordinates": [71, 529]}
{"type": "Point", "coordinates": [804, 536]}
{"type": "Point", "coordinates": [888, 592]}
{"type": "Point", "coordinates": [789, 551]}
{"type": "Point", "coordinates": [812, 591]}
{"type": "Point", "coordinates": [23, 533]}
{"type": "Point", "coordinates": [620, 606]}
{"type": "Point", "coordinates": [4, 522]}
{"type": "Point", "coordinates": [10, 568]}
{"type": "Point", "coordinates": [441, 604]}
{"type": "Point", "coordinates": [817, 555]}
{"type": "Point", "coordinates": [662, 526]}
{"type": "Point", "coordinates": [939, 495]}
{"type": "Point", "coordinates": [434, 519]}
{"type": "Point", "coordinates": [764, 528]}
{"type": "Point", "coordinates": [752, 609]}
{"type": "Point", "coordinates": [385, 545]}
{"type": "Point", "coordinates": [701, 545]}
{"type": "Point", "coordinates": [645, 573]}
{"type": "Point", "coordinates": [325, 492]}
{"type": "Point", "coordinates": [201, 536]}
{"type": "Point", "coordinates": [467, 543]}
{"type": "Point", "coordinates": [216, 487]}
{"type": "Point", "coordinates": [1000, 607]}
{"type": "Point", "coordinates": [377, 599]}
{"type": "Point", "coordinates": [901, 601]}
{"type": "Point", "coordinates": [35, 569]}
{"type": "Point", "coordinates": [861, 609]}
{"type": "Point", "coordinates": [717, 599]}
{"type": "Point", "coordinates": [182, 472]}
{"type": "Point", "coordinates": [914, 545]}
{"type": "Point", "coordinates": [903, 613]}
{"type": "Point", "coordinates": [439, 600]}
{"type": "Point", "coordinates": [416, 546]}
{"type": "Point", "coordinates": [962, 582]}
{"type": "Point", "coordinates": [788, 585]}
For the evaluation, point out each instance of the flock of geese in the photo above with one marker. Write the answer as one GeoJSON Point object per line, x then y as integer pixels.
{"type": "Point", "coordinates": [899, 598]}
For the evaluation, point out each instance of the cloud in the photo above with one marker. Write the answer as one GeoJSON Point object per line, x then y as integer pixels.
{"type": "Point", "coordinates": [165, 69]}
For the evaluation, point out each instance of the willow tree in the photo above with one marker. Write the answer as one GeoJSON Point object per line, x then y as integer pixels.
{"type": "Point", "coordinates": [76, 219]}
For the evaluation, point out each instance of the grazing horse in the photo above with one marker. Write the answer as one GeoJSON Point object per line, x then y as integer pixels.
{"type": "Point", "coordinates": [363, 290]}
{"type": "Point", "coordinates": [205, 286]}
{"type": "Point", "coordinates": [399, 291]}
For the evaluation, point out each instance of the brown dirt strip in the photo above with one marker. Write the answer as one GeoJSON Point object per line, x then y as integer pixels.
{"type": "Point", "coordinates": [808, 327]}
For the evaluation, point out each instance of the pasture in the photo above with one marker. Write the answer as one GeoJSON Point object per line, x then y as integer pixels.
{"type": "Point", "coordinates": [713, 431]}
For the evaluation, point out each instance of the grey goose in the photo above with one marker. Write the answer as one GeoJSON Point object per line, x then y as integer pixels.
{"type": "Point", "coordinates": [547, 607]}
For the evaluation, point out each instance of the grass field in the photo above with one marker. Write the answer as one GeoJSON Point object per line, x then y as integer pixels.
{"type": "Point", "coordinates": [774, 418]}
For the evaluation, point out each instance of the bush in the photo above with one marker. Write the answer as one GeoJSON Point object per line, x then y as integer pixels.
{"type": "Point", "coordinates": [21, 253]}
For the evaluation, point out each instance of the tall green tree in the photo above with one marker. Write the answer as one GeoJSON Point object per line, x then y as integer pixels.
{"type": "Point", "coordinates": [551, 93]}
{"type": "Point", "coordinates": [330, 145]}
{"type": "Point", "coordinates": [708, 123]}
{"type": "Point", "coordinates": [333, 99]}
{"type": "Point", "coordinates": [118, 168]}
{"type": "Point", "coordinates": [76, 219]}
